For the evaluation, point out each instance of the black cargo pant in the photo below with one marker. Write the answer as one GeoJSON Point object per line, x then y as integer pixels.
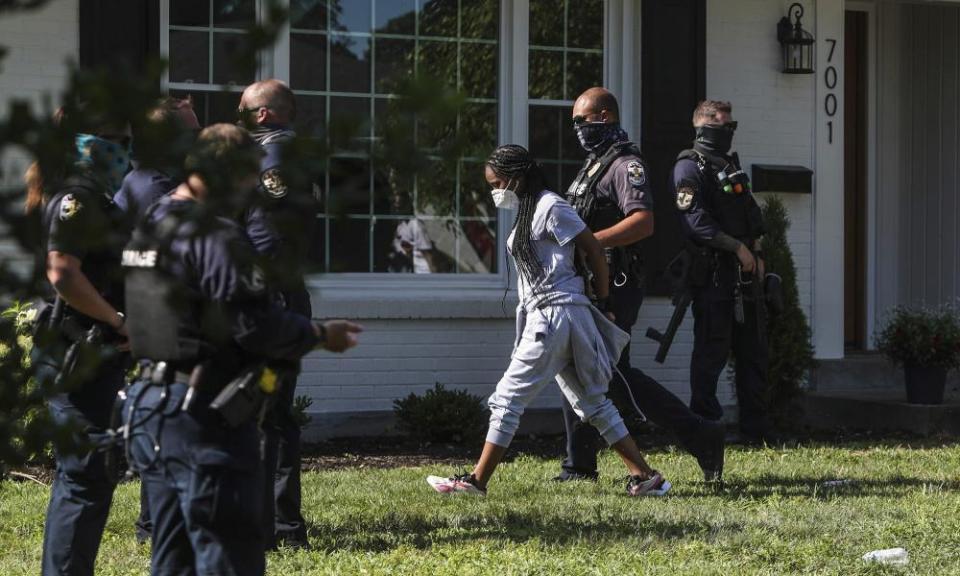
{"type": "Point", "coordinates": [282, 517]}
{"type": "Point", "coordinates": [657, 403]}
{"type": "Point", "coordinates": [715, 334]}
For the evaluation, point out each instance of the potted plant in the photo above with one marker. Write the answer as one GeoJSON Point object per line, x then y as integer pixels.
{"type": "Point", "coordinates": [926, 341]}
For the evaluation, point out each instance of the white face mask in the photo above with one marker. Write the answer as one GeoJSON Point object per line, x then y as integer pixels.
{"type": "Point", "coordinates": [505, 198]}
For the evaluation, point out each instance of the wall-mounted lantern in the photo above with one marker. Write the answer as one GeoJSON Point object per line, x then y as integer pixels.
{"type": "Point", "coordinates": [797, 43]}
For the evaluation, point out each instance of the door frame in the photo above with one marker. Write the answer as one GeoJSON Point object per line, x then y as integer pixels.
{"type": "Point", "coordinates": [870, 282]}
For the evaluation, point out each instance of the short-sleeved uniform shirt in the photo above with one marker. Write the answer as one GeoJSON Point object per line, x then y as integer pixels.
{"type": "Point", "coordinates": [81, 220]}
{"type": "Point", "coordinates": [555, 224]}
{"type": "Point", "coordinates": [625, 185]}
{"type": "Point", "coordinates": [140, 189]}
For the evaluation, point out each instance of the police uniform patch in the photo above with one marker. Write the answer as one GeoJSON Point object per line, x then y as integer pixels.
{"type": "Point", "coordinates": [636, 174]}
{"type": "Point", "coordinates": [684, 198]}
{"type": "Point", "coordinates": [69, 207]}
{"type": "Point", "coordinates": [273, 183]}
{"type": "Point", "coordinates": [255, 281]}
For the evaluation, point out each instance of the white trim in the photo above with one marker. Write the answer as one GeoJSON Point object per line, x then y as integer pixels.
{"type": "Point", "coordinates": [872, 197]}
{"type": "Point", "coordinates": [279, 57]}
{"type": "Point", "coordinates": [828, 224]}
{"type": "Point", "coordinates": [621, 60]}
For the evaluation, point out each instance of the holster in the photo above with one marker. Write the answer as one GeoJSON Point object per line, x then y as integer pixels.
{"type": "Point", "coordinates": [247, 396]}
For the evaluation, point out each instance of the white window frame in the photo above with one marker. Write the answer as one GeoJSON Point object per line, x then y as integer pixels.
{"type": "Point", "coordinates": [384, 295]}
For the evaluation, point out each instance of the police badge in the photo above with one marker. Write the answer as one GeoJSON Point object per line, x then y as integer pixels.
{"type": "Point", "coordinates": [636, 174]}
{"type": "Point", "coordinates": [69, 207]}
{"type": "Point", "coordinates": [684, 198]}
{"type": "Point", "coordinates": [273, 183]}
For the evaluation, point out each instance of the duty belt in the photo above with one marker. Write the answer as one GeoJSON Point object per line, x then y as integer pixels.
{"type": "Point", "coordinates": [161, 373]}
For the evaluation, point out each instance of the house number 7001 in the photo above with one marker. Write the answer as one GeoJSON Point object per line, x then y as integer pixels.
{"type": "Point", "coordinates": [830, 80]}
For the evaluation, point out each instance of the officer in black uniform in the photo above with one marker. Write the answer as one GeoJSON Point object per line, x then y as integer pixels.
{"type": "Point", "coordinates": [723, 225]}
{"type": "Point", "coordinates": [281, 225]}
{"type": "Point", "coordinates": [202, 314]}
{"type": "Point", "coordinates": [159, 149]}
{"type": "Point", "coordinates": [81, 357]}
{"type": "Point", "coordinates": [612, 194]}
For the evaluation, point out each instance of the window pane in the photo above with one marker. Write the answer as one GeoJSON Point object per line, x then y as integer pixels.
{"type": "Point", "coordinates": [351, 15]}
{"type": "Point", "coordinates": [478, 249]}
{"type": "Point", "coordinates": [311, 115]}
{"type": "Point", "coordinates": [190, 13]}
{"type": "Point", "coordinates": [396, 16]}
{"type": "Point", "coordinates": [478, 70]}
{"type": "Point", "coordinates": [349, 123]}
{"type": "Point", "coordinates": [479, 19]}
{"type": "Point", "coordinates": [436, 189]}
{"type": "Point", "coordinates": [316, 255]}
{"type": "Point", "coordinates": [223, 107]}
{"type": "Point", "coordinates": [478, 128]}
{"type": "Point", "coordinates": [546, 22]}
{"type": "Point", "coordinates": [351, 237]}
{"type": "Point", "coordinates": [584, 70]}
{"type": "Point", "coordinates": [393, 191]}
{"type": "Point", "coordinates": [585, 24]}
{"type": "Point", "coordinates": [308, 61]}
{"type": "Point", "coordinates": [546, 74]}
{"type": "Point", "coordinates": [349, 186]}
{"type": "Point", "coordinates": [439, 18]}
{"type": "Point", "coordinates": [308, 14]}
{"type": "Point", "coordinates": [350, 64]}
{"type": "Point", "coordinates": [438, 60]}
{"type": "Point", "coordinates": [394, 60]}
{"type": "Point", "coordinates": [226, 68]}
{"type": "Point", "coordinates": [189, 57]}
{"type": "Point", "coordinates": [234, 13]}
{"type": "Point", "coordinates": [544, 131]}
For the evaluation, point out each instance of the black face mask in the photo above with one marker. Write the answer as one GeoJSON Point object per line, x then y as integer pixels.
{"type": "Point", "coordinates": [716, 138]}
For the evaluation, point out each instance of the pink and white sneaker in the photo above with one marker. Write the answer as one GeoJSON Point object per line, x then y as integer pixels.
{"type": "Point", "coordinates": [655, 485]}
{"type": "Point", "coordinates": [459, 484]}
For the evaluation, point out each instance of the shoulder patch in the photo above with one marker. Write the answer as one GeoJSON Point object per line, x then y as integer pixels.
{"type": "Point", "coordinates": [273, 183]}
{"type": "Point", "coordinates": [69, 207]}
{"type": "Point", "coordinates": [636, 174]}
{"type": "Point", "coordinates": [255, 281]}
{"type": "Point", "coordinates": [685, 198]}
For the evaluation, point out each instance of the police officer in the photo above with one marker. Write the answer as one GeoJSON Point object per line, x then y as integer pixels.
{"type": "Point", "coordinates": [159, 148]}
{"type": "Point", "coordinates": [280, 225]}
{"type": "Point", "coordinates": [202, 313]}
{"type": "Point", "coordinates": [81, 357]}
{"type": "Point", "coordinates": [612, 194]}
{"type": "Point", "coordinates": [158, 151]}
{"type": "Point", "coordinates": [723, 225]}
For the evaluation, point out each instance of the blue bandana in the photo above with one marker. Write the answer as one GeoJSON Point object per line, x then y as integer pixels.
{"type": "Point", "coordinates": [598, 136]}
{"type": "Point", "coordinates": [105, 159]}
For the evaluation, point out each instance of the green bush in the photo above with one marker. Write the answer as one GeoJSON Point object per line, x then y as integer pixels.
{"type": "Point", "coordinates": [922, 336]}
{"type": "Point", "coordinates": [790, 350]}
{"type": "Point", "coordinates": [442, 415]}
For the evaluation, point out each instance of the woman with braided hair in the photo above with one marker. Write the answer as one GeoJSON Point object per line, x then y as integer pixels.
{"type": "Point", "coordinates": [560, 333]}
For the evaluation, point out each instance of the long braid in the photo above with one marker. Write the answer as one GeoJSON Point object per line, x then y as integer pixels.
{"type": "Point", "coordinates": [513, 162]}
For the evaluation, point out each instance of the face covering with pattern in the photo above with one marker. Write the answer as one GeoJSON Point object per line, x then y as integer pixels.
{"type": "Point", "coordinates": [107, 160]}
{"type": "Point", "coordinates": [598, 136]}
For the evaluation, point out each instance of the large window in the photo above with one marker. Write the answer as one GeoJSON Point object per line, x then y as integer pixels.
{"type": "Point", "coordinates": [422, 207]}
{"type": "Point", "coordinates": [566, 58]}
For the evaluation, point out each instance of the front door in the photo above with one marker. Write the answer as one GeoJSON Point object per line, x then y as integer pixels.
{"type": "Point", "coordinates": [855, 180]}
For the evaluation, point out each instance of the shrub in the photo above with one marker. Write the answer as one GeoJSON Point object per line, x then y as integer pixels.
{"type": "Point", "coordinates": [442, 415]}
{"type": "Point", "coordinates": [788, 334]}
{"type": "Point", "coordinates": [301, 406]}
{"type": "Point", "coordinates": [922, 336]}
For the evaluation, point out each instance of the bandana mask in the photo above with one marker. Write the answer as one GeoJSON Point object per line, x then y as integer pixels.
{"type": "Point", "coordinates": [716, 138]}
{"type": "Point", "coordinates": [104, 158]}
{"type": "Point", "coordinates": [596, 136]}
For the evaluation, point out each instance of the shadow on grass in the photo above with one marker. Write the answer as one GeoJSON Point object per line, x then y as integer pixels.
{"type": "Point", "coordinates": [395, 530]}
{"type": "Point", "coordinates": [826, 488]}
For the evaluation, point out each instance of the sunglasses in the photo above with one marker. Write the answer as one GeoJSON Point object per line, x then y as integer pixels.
{"type": "Point", "coordinates": [581, 119]}
{"type": "Point", "coordinates": [121, 139]}
{"type": "Point", "coordinates": [243, 113]}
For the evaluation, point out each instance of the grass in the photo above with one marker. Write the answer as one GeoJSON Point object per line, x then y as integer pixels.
{"type": "Point", "coordinates": [776, 517]}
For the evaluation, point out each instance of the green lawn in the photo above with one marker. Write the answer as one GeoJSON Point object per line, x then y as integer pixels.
{"type": "Point", "coordinates": [774, 518]}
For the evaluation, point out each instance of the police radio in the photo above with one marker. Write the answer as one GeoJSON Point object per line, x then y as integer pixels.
{"type": "Point", "coordinates": [736, 181]}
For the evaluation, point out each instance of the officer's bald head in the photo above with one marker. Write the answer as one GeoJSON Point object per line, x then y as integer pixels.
{"type": "Point", "coordinates": [597, 100]}
{"type": "Point", "coordinates": [273, 97]}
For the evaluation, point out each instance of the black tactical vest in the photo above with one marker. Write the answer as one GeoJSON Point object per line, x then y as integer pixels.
{"type": "Point", "coordinates": [599, 212]}
{"type": "Point", "coordinates": [735, 213]}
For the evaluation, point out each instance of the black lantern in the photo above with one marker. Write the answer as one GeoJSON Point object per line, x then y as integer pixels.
{"type": "Point", "coordinates": [797, 43]}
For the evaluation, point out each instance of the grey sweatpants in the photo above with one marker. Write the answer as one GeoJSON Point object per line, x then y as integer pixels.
{"type": "Point", "coordinates": [544, 351]}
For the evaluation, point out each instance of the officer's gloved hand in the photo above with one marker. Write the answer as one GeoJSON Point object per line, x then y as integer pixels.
{"type": "Point", "coordinates": [338, 335]}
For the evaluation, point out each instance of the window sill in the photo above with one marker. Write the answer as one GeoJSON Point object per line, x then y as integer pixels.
{"type": "Point", "coordinates": [413, 301]}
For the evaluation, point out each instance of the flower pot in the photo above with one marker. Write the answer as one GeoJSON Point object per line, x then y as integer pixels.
{"type": "Point", "coordinates": [925, 384]}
